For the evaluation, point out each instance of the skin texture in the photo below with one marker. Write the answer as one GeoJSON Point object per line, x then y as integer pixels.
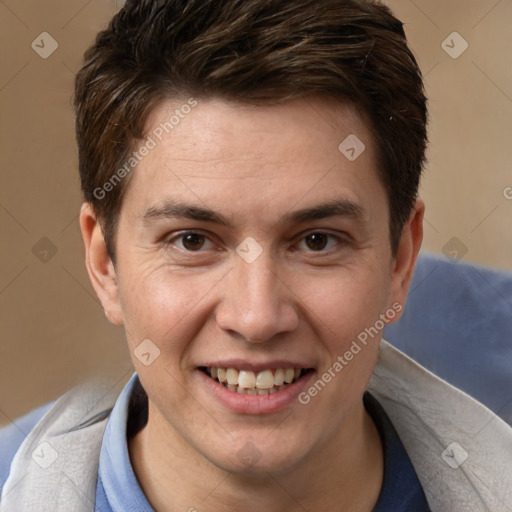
{"type": "Point", "coordinates": [254, 166]}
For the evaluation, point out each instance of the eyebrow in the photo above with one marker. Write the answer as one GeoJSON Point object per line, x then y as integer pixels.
{"type": "Point", "coordinates": [335, 208]}
{"type": "Point", "coordinates": [170, 209]}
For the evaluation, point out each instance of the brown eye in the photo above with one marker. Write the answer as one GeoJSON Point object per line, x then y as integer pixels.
{"type": "Point", "coordinates": [193, 241]}
{"type": "Point", "coordinates": [317, 241]}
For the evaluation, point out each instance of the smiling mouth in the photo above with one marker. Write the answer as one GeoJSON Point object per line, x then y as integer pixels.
{"type": "Point", "coordinates": [255, 383]}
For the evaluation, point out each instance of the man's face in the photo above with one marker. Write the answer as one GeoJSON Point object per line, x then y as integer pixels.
{"type": "Point", "coordinates": [248, 240]}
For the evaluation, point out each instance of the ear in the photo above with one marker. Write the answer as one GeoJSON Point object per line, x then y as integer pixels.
{"type": "Point", "coordinates": [404, 262]}
{"type": "Point", "coordinates": [100, 268]}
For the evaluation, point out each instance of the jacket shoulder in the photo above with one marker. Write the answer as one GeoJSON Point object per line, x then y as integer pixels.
{"type": "Point", "coordinates": [12, 435]}
{"type": "Point", "coordinates": [461, 451]}
{"type": "Point", "coordinates": [60, 453]}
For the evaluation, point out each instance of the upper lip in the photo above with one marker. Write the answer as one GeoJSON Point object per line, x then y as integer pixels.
{"type": "Point", "coordinates": [241, 364]}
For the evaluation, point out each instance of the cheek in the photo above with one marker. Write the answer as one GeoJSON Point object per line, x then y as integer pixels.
{"type": "Point", "coordinates": [169, 311]}
{"type": "Point", "coordinates": [345, 306]}
{"type": "Point", "coordinates": [345, 302]}
{"type": "Point", "coordinates": [166, 307]}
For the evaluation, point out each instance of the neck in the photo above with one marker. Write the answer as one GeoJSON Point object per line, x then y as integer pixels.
{"type": "Point", "coordinates": [175, 477]}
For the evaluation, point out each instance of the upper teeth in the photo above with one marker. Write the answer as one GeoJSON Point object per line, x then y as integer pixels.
{"type": "Point", "coordinates": [265, 379]}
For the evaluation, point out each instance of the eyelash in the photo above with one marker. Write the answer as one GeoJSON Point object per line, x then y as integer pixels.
{"type": "Point", "coordinates": [180, 236]}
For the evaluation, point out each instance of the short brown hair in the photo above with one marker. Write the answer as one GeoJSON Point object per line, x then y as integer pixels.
{"type": "Point", "coordinates": [259, 52]}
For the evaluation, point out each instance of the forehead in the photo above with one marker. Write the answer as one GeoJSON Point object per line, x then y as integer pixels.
{"type": "Point", "coordinates": [299, 151]}
{"type": "Point", "coordinates": [226, 127]}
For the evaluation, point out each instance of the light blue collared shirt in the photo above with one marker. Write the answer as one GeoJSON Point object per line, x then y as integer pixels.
{"type": "Point", "coordinates": [117, 489]}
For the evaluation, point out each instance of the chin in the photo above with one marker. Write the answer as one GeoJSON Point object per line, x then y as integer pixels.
{"type": "Point", "coordinates": [257, 457]}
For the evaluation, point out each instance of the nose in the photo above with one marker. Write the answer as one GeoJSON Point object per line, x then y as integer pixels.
{"type": "Point", "coordinates": [256, 304]}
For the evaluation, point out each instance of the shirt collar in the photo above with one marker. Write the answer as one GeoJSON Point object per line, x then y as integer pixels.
{"type": "Point", "coordinates": [116, 480]}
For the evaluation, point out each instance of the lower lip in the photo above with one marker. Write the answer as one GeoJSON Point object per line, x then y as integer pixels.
{"type": "Point", "coordinates": [255, 404]}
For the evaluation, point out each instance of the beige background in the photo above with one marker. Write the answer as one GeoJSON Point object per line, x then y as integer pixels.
{"type": "Point", "coordinates": [53, 329]}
